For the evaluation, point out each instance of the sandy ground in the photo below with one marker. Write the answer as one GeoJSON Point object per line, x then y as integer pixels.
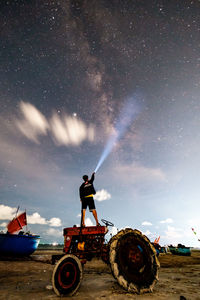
{"type": "Point", "coordinates": [31, 279]}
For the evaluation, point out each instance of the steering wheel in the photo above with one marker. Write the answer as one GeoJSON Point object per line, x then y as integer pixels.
{"type": "Point", "coordinates": [107, 223]}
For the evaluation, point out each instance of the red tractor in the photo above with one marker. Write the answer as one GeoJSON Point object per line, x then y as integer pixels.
{"type": "Point", "coordinates": [130, 254]}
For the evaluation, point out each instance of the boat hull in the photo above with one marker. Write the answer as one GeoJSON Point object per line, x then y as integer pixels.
{"type": "Point", "coordinates": [18, 245]}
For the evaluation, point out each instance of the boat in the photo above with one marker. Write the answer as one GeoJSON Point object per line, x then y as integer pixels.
{"type": "Point", "coordinates": [180, 250]}
{"type": "Point", "coordinates": [18, 244]}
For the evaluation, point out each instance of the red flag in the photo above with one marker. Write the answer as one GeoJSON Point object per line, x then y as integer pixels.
{"type": "Point", "coordinates": [17, 223]}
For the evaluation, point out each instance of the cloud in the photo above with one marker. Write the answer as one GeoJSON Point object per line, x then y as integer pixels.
{"type": "Point", "coordinates": [34, 123]}
{"type": "Point", "coordinates": [70, 130]}
{"type": "Point", "coordinates": [64, 130]}
{"type": "Point", "coordinates": [167, 221]}
{"type": "Point", "coordinates": [55, 222]}
{"type": "Point", "coordinates": [88, 222]}
{"type": "Point", "coordinates": [76, 129]}
{"type": "Point", "coordinates": [102, 195]}
{"type": "Point", "coordinates": [146, 223]}
{"type": "Point", "coordinates": [7, 213]}
{"type": "Point", "coordinates": [4, 224]}
{"type": "Point", "coordinates": [35, 218]}
{"type": "Point", "coordinates": [59, 131]}
{"type": "Point", "coordinates": [54, 232]}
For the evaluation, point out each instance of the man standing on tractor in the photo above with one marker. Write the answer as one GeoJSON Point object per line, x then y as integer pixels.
{"type": "Point", "coordinates": [86, 192]}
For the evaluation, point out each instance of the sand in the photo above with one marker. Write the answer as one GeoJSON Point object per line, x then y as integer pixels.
{"type": "Point", "coordinates": [31, 279]}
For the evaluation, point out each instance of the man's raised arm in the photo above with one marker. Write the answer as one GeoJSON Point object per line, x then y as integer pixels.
{"type": "Point", "coordinates": [92, 177]}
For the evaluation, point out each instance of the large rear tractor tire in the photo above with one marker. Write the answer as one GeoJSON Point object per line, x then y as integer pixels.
{"type": "Point", "coordinates": [133, 261]}
{"type": "Point", "coordinates": [67, 275]}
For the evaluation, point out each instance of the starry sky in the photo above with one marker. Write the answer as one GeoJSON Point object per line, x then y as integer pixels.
{"type": "Point", "coordinates": [68, 69]}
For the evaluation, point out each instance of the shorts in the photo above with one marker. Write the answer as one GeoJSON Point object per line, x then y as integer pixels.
{"type": "Point", "coordinates": [89, 201]}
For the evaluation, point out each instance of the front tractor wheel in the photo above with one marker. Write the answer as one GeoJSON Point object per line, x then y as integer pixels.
{"type": "Point", "coordinates": [67, 275]}
{"type": "Point", "coordinates": [133, 261]}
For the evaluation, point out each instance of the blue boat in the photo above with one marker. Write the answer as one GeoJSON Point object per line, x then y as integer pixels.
{"type": "Point", "coordinates": [18, 244]}
{"type": "Point", "coordinates": [21, 244]}
{"type": "Point", "coordinates": [180, 250]}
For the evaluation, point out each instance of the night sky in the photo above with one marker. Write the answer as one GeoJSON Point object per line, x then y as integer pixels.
{"type": "Point", "coordinates": [68, 69]}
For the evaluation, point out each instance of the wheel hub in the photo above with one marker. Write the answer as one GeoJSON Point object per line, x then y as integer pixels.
{"type": "Point", "coordinates": [67, 275]}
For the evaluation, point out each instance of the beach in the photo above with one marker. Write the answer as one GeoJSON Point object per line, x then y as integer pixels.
{"type": "Point", "coordinates": [31, 279]}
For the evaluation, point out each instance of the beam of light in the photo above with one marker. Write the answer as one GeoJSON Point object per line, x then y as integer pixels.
{"type": "Point", "coordinates": [126, 118]}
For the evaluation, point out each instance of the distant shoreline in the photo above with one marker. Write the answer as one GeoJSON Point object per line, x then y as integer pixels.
{"type": "Point", "coordinates": [50, 247]}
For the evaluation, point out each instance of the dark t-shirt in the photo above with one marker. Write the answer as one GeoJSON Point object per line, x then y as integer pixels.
{"type": "Point", "coordinates": [87, 189]}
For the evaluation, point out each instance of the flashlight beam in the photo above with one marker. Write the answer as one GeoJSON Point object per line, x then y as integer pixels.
{"type": "Point", "coordinates": [127, 116]}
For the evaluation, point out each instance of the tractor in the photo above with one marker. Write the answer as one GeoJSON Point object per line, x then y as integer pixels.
{"type": "Point", "coordinates": [130, 254]}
